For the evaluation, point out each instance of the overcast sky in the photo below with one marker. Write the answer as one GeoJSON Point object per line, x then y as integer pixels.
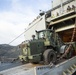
{"type": "Point", "coordinates": [15, 15]}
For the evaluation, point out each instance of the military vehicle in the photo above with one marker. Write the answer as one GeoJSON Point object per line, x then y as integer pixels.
{"type": "Point", "coordinates": [47, 47]}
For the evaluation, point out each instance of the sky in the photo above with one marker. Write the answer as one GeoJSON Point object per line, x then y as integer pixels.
{"type": "Point", "coordinates": [15, 15]}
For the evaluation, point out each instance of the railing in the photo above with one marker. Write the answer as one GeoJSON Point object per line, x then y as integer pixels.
{"type": "Point", "coordinates": [64, 12]}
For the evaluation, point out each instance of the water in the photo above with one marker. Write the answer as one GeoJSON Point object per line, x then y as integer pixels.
{"type": "Point", "coordinates": [4, 66]}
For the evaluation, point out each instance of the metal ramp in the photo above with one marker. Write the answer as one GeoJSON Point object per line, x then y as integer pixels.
{"type": "Point", "coordinates": [67, 67]}
{"type": "Point", "coordinates": [70, 71]}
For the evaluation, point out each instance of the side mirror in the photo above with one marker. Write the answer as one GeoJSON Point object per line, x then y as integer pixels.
{"type": "Point", "coordinates": [33, 36]}
{"type": "Point", "coordinates": [36, 31]}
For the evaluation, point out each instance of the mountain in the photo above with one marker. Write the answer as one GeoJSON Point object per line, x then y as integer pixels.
{"type": "Point", "coordinates": [8, 51]}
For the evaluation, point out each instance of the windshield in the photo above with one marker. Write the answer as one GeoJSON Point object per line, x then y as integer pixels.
{"type": "Point", "coordinates": [44, 34]}
{"type": "Point", "coordinates": [41, 35]}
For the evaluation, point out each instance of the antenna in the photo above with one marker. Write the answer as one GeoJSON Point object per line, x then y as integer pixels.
{"type": "Point", "coordinates": [52, 4]}
{"type": "Point", "coordinates": [61, 2]}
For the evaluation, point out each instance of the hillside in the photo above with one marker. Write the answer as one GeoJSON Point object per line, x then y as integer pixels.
{"type": "Point", "coordinates": [8, 51]}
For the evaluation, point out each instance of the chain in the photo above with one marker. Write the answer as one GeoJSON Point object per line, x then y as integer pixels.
{"type": "Point", "coordinates": [68, 49]}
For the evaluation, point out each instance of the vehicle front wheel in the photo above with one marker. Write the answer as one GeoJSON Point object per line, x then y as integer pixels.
{"type": "Point", "coordinates": [49, 56]}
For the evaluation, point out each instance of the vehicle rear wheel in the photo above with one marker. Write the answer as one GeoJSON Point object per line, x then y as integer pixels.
{"type": "Point", "coordinates": [70, 53]}
{"type": "Point", "coordinates": [49, 56]}
{"type": "Point", "coordinates": [35, 62]}
{"type": "Point", "coordinates": [23, 62]}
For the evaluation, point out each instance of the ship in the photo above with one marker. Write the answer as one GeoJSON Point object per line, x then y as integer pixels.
{"type": "Point", "coordinates": [62, 17]}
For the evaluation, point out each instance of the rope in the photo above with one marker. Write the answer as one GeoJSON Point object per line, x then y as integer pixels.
{"type": "Point", "coordinates": [24, 31]}
{"type": "Point", "coordinates": [16, 38]}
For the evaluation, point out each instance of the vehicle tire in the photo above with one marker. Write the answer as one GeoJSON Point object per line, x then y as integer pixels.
{"type": "Point", "coordinates": [35, 62]}
{"type": "Point", "coordinates": [23, 62]}
{"type": "Point", "coordinates": [49, 56]}
{"type": "Point", "coordinates": [70, 53]}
